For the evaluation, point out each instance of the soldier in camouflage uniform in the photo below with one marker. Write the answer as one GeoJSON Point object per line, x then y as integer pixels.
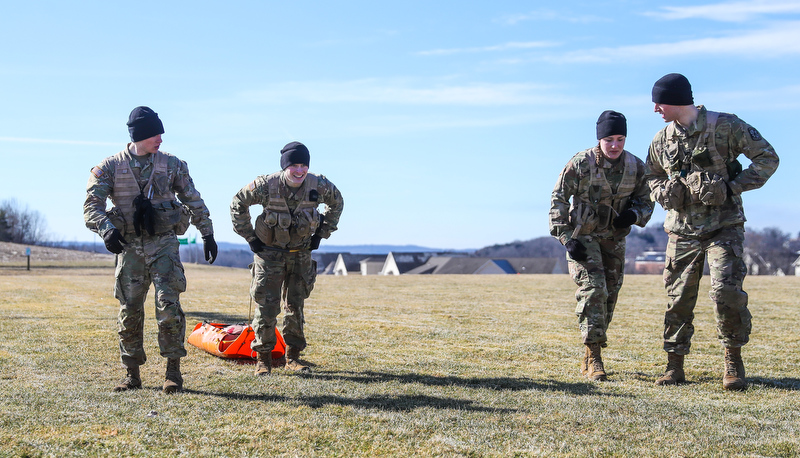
{"type": "Point", "coordinates": [289, 227]}
{"type": "Point", "coordinates": [609, 194]}
{"type": "Point", "coordinates": [694, 173]}
{"type": "Point", "coordinates": [143, 183]}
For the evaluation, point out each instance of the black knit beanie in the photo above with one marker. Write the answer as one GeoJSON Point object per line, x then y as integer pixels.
{"type": "Point", "coordinates": [673, 89]}
{"type": "Point", "coordinates": [611, 123]}
{"type": "Point", "coordinates": [144, 123]}
{"type": "Point", "coordinates": [295, 153]}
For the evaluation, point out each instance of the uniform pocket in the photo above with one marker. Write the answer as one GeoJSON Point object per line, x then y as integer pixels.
{"type": "Point", "coordinates": [117, 218]}
{"type": "Point", "coordinates": [583, 218]}
{"type": "Point", "coordinates": [167, 216]}
{"type": "Point", "coordinates": [282, 236]}
{"type": "Point", "coordinates": [310, 277]}
{"type": "Point", "coordinates": [708, 188]}
{"type": "Point", "coordinates": [264, 230]}
{"type": "Point", "coordinates": [183, 223]}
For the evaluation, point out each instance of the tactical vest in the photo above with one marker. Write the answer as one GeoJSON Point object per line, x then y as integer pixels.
{"type": "Point", "coordinates": [278, 226]}
{"type": "Point", "coordinates": [170, 215]}
{"type": "Point", "coordinates": [595, 208]}
{"type": "Point", "coordinates": [705, 156]}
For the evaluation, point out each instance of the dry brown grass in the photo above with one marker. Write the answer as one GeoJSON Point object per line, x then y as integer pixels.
{"type": "Point", "coordinates": [406, 366]}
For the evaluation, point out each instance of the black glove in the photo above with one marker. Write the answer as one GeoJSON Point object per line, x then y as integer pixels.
{"type": "Point", "coordinates": [114, 241]}
{"type": "Point", "coordinates": [576, 250]}
{"type": "Point", "coordinates": [257, 245]}
{"type": "Point", "coordinates": [210, 248]}
{"type": "Point", "coordinates": [316, 238]}
{"type": "Point", "coordinates": [144, 215]}
{"type": "Point", "coordinates": [625, 219]}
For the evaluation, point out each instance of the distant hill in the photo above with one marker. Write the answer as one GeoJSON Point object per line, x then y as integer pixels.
{"type": "Point", "coordinates": [14, 254]}
{"type": "Point", "coordinates": [385, 249]}
{"type": "Point", "coordinates": [239, 254]}
{"type": "Point", "coordinates": [540, 247]}
{"type": "Point", "coordinates": [652, 237]}
{"type": "Point", "coordinates": [355, 249]}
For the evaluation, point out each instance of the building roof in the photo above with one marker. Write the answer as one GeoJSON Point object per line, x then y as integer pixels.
{"type": "Point", "coordinates": [408, 261]}
{"type": "Point", "coordinates": [352, 262]}
{"type": "Point", "coordinates": [443, 265]}
{"type": "Point", "coordinates": [372, 265]}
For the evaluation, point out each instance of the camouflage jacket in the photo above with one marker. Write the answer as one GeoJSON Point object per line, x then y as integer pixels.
{"type": "Point", "coordinates": [174, 182]}
{"type": "Point", "coordinates": [694, 172]}
{"type": "Point", "coordinates": [290, 215]}
{"type": "Point", "coordinates": [591, 192]}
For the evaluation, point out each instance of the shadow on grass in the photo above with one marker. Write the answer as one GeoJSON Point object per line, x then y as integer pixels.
{"type": "Point", "coordinates": [214, 317]}
{"type": "Point", "coordinates": [396, 403]}
{"type": "Point", "coordinates": [490, 383]}
{"type": "Point", "coordinates": [785, 383]}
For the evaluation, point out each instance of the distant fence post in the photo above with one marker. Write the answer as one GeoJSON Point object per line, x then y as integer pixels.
{"type": "Point", "coordinates": [28, 254]}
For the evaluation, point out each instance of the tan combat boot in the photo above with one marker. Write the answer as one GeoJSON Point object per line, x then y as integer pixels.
{"type": "Point", "coordinates": [293, 361]}
{"type": "Point", "coordinates": [585, 361]}
{"type": "Point", "coordinates": [132, 381]}
{"type": "Point", "coordinates": [734, 370]}
{"type": "Point", "coordinates": [264, 363]}
{"type": "Point", "coordinates": [594, 364]}
{"type": "Point", "coordinates": [674, 373]}
{"type": "Point", "coordinates": [174, 381]}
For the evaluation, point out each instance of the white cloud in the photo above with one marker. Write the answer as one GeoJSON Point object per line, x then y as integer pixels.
{"type": "Point", "coordinates": [728, 11]}
{"type": "Point", "coordinates": [503, 47]}
{"type": "Point", "coordinates": [752, 100]}
{"type": "Point", "coordinates": [550, 15]}
{"type": "Point", "coordinates": [779, 41]}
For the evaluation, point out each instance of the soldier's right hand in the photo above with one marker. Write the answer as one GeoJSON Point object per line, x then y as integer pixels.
{"type": "Point", "coordinates": [256, 245]}
{"type": "Point", "coordinates": [114, 241]}
{"type": "Point", "coordinates": [576, 250]}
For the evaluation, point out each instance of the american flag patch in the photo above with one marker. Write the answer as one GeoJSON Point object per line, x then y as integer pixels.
{"type": "Point", "coordinates": [97, 172]}
{"type": "Point", "coordinates": [252, 186]}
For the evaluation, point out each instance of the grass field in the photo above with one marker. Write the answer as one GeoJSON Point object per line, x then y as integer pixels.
{"type": "Point", "coordinates": [405, 366]}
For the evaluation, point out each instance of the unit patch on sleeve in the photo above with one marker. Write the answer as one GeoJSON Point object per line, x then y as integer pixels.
{"type": "Point", "coordinates": [754, 134]}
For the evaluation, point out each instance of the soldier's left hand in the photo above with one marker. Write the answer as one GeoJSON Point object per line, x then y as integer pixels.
{"type": "Point", "coordinates": [625, 219]}
{"type": "Point", "coordinates": [210, 248]}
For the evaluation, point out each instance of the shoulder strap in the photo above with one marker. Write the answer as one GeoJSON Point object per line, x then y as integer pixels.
{"type": "Point", "coordinates": [159, 166]}
{"type": "Point", "coordinates": [311, 185]}
{"type": "Point", "coordinates": [276, 201]}
{"type": "Point", "coordinates": [125, 183]}
{"type": "Point", "coordinates": [594, 172]}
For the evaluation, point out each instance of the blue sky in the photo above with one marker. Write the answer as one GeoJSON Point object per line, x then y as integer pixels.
{"type": "Point", "coordinates": [444, 124]}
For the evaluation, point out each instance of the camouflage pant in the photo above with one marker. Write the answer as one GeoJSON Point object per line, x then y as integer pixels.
{"type": "Point", "coordinates": [150, 259]}
{"type": "Point", "coordinates": [278, 275]}
{"type": "Point", "coordinates": [599, 279]}
{"type": "Point", "coordinates": [682, 273]}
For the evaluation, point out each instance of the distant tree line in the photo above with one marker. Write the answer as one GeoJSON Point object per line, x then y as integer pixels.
{"type": "Point", "coordinates": [21, 225]}
{"type": "Point", "coordinates": [771, 245]}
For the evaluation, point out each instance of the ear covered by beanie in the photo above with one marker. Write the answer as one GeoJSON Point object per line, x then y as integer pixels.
{"type": "Point", "coordinates": [144, 123]}
{"type": "Point", "coordinates": [611, 123]}
{"type": "Point", "coordinates": [295, 153]}
{"type": "Point", "coordinates": [673, 89]}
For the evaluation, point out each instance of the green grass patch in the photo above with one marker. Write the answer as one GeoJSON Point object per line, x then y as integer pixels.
{"type": "Point", "coordinates": [405, 366]}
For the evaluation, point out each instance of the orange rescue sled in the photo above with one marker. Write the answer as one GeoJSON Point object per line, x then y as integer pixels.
{"type": "Point", "coordinates": [231, 340]}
